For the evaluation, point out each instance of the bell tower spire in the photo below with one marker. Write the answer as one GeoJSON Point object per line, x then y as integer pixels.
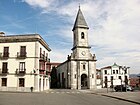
{"type": "Point", "coordinates": [80, 36]}
{"type": "Point", "coordinates": [80, 21]}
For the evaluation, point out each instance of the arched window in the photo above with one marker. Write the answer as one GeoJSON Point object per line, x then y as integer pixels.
{"type": "Point", "coordinates": [82, 35]}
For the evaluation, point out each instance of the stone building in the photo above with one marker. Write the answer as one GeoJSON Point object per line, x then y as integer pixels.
{"type": "Point", "coordinates": [79, 70]}
{"type": "Point", "coordinates": [23, 61]}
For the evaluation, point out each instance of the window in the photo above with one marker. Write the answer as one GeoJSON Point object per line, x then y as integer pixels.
{"type": "Point", "coordinates": [6, 52]}
{"type": "Point", "coordinates": [126, 80]}
{"type": "Point", "coordinates": [84, 67]}
{"type": "Point", "coordinates": [105, 71]}
{"type": "Point", "coordinates": [105, 78]}
{"type": "Point", "coordinates": [4, 82]}
{"type": "Point", "coordinates": [92, 75]}
{"type": "Point", "coordinates": [116, 71]}
{"type": "Point", "coordinates": [125, 71]}
{"type": "Point", "coordinates": [21, 82]}
{"type": "Point", "coordinates": [4, 67]}
{"type": "Point", "coordinates": [40, 52]}
{"type": "Point", "coordinates": [22, 66]}
{"type": "Point", "coordinates": [44, 53]}
{"type": "Point", "coordinates": [111, 77]}
{"type": "Point", "coordinates": [113, 71]}
{"type": "Point", "coordinates": [120, 77]}
{"type": "Point", "coordinates": [82, 35]}
{"type": "Point", "coordinates": [42, 65]}
{"type": "Point", "coordinates": [75, 75]}
{"type": "Point", "coordinates": [22, 51]}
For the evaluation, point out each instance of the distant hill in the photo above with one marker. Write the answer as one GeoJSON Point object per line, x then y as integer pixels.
{"type": "Point", "coordinates": [134, 75]}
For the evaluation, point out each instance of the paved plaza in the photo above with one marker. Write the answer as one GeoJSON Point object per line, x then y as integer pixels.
{"type": "Point", "coordinates": [61, 97]}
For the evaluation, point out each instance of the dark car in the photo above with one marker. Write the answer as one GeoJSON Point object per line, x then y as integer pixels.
{"type": "Point", "coordinates": [120, 88]}
{"type": "Point", "coordinates": [123, 88]}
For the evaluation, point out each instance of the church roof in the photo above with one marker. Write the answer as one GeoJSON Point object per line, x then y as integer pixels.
{"type": "Point", "coordinates": [80, 21]}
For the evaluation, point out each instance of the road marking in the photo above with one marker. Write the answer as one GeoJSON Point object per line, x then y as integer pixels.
{"type": "Point", "coordinates": [64, 92]}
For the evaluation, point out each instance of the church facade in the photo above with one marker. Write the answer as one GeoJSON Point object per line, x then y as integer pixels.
{"type": "Point", "coordinates": [79, 70]}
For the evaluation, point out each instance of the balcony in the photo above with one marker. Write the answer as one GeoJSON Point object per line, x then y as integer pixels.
{"type": "Point", "coordinates": [4, 55]}
{"type": "Point", "coordinates": [20, 72]}
{"type": "Point", "coordinates": [4, 71]}
{"type": "Point", "coordinates": [44, 58]}
{"type": "Point", "coordinates": [21, 55]}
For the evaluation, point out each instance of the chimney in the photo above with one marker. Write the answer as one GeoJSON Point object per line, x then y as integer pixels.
{"type": "Point", "coordinates": [2, 34]}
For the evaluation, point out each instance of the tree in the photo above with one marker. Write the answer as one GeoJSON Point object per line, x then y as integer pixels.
{"type": "Point", "coordinates": [53, 77]}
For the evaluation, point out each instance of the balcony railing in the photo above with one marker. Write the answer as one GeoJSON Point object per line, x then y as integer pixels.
{"type": "Point", "coordinates": [20, 72]}
{"type": "Point", "coordinates": [21, 55]}
{"type": "Point", "coordinates": [4, 55]}
{"type": "Point", "coordinates": [4, 71]}
{"type": "Point", "coordinates": [44, 58]}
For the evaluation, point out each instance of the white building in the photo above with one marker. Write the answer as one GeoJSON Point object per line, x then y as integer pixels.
{"type": "Point", "coordinates": [114, 75]}
{"type": "Point", "coordinates": [23, 61]}
{"type": "Point", "coordinates": [79, 70]}
{"type": "Point", "coordinates": [98, 79]}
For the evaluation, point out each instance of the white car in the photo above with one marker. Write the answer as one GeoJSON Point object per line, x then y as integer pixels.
{"type": "Point", "coordinates": [129, 88]}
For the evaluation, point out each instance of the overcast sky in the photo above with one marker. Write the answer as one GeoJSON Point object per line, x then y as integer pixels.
{"type": "Point", "coordinates": [114, 27]}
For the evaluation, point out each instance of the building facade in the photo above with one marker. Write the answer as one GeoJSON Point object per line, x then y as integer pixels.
{"type": "Point", "coordinates": [79, 70]}
{"type": "Point", "coordinates": [135, 82]}
{"type": "Point", "coordinates": [23, 61]}
{"type": "Point", "coordinates": [98, 79]}
{"type": "Point", "coordinates": [114, 75]}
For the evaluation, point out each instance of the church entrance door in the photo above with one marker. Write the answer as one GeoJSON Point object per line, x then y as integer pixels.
{"type": "Point", "coordinates": [84, 84]}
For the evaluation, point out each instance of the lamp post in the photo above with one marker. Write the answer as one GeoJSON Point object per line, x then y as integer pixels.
{"type": "Point", "coordinates": [121, 84]}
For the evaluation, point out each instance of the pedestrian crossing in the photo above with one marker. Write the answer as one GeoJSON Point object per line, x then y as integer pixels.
{"type": "Point", "coordinates": [52, 92]}
{"type": "Point", "coordinates": [67, 91]}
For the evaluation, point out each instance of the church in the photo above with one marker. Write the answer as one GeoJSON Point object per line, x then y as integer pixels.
{"type": "Point", "coordinates": [79, 70]}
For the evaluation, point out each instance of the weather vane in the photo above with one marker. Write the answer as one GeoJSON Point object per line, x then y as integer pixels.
{"type": "Point", "coordinates": [79, 5]}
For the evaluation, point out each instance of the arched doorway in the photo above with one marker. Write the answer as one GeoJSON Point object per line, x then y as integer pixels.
{"type": "Point", "coordinates": [84, 83]}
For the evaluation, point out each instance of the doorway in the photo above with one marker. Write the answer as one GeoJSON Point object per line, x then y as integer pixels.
{"type": "Point", "coordinates": [84, 83]}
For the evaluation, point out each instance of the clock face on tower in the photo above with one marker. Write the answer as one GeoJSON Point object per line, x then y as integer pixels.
{"type": "Point", "coordinates": [83, 53]}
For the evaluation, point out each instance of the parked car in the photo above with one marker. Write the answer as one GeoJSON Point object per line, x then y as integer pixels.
{"type": "Point", "coordinates": [129, 88]}
{"type": "Point", "coordinates": [119, 88]}
{"type": "Point", "coordinates": [123, 88]}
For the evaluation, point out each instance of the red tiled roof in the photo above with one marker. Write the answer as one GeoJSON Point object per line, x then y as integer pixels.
{"type": "Point", "coordinates": [107, 67]}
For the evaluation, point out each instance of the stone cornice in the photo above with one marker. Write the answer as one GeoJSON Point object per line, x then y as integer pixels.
{"type": "Point", "coordinates": [81, 47]}
{"type": "Point", "coordinates": [24, 38]}
{"type": "Point", "coordinates": [76, 60]}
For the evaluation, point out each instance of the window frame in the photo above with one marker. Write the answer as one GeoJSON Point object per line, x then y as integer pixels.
{"type": "Point", "coordinates": [5, 67]}
{"type": "Point", "coordinates": [21, 66]}
{"type": "Point", "coordinates": [82, 35]}
{"type": "Point", "coordinates": [4, 83]}
{"type": "Point", "coordinates": [105, 71]}
{"type": "Point", "coordinates": [21, 82]}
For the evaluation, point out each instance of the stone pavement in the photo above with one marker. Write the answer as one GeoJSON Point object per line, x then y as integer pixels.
{"type": "Point", "coordinates": [133, 97]}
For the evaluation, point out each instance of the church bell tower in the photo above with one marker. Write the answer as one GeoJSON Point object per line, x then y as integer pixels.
{"type": "Point", "coordinates": [80, 38]}
{"type": "Point", "coordinates": [83, 63]}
